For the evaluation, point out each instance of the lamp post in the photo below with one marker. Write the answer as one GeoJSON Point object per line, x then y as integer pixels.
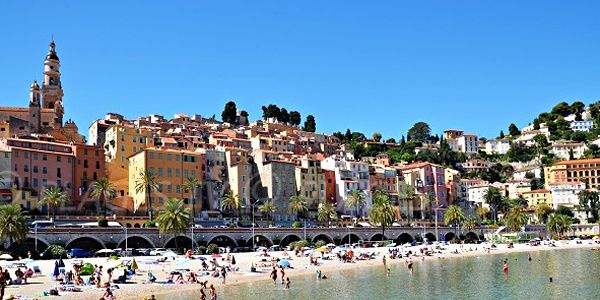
{"type": "Point", "coordinates": [124, 229]}
{"type": "Point", "coordinates": [35, 227]}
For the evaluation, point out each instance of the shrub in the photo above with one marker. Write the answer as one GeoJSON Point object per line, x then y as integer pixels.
{"type": "Point", "coordinates": [301, 244]}
{"type": "Point", "coordinates": [57, 251]}
{"type": "Point", "coordinates": [232, 225]}
{"type": "Point", "coordinates": [102, 222]}
{"type": "Point", "coordinates": [320, 243]}
{"type": "Point", "coordinates": [296, 224]}
{"type": "Point", "coordinates": [150, 224]}
{"type": "Point", "coordinates": [201, 249]}
{"type": "Point", "coordinates": [212, 249]}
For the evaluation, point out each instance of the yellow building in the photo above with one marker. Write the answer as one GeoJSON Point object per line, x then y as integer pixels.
{"type": "Point", "coordinates": [310, 182]}
{"type": "Point", "coordinates": [171, 167]}
{"type": "Point", "coordinates": [122, 141]}
{"type": "Point", "coordinates": [239, 174]}
{"type": "Point", "coordinates": [537, 197]}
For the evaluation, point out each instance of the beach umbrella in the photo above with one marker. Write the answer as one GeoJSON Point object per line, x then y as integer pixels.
{"type": "Point", "coordinates": [322, 249]}
{"type": "Point", "coordinates": [134, 265]}
{"type": "Point", "coordinates": [216, 255]}
{"type": "Point", "coordinates": [284, 263]}
{"type": "Point", "coordinates": [202, 258]}
{"type": "Point", "coordinates": [113, 264]}
{"type": "Point", "coordinates": [233, 260]}
{"type": "Point", "coordinates": [6, 256]}
{"type": "Point", "coordinates": [170, 254]}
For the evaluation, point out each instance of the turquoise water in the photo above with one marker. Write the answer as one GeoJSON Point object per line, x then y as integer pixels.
{"type": "Point", "coordinates": [576, 275]}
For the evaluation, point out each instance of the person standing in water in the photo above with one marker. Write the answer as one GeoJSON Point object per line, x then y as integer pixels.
{"type": "Point", "coordinates": [287, 283]}
{"type": "Point", "coordinates": [505, 268]}
{"type": "Point", "coordinates": [274, 275]}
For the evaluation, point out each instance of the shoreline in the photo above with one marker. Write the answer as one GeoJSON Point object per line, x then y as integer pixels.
{"type": "Point", "coordinates": [187, 289]}
{"type": "Point", "coordinates": [136, 289]}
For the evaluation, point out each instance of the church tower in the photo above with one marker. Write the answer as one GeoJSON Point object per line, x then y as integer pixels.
{"type": "Point", "coordinates": [34, 108]}
{"type": "Point", "coordinates": [52, 92]}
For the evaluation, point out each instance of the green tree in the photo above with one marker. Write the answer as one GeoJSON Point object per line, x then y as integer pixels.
{"type": "Point", "coordinates": [515, 219]}
{"type": "Point", "coordinates": [558, 224]}
{"type": "Point", "coordinates": [562, 109]}
{"type": "Point", "coordinates": [326, 213]}
{"type": "Point", "coordinates": [146, 182]}
{"type": "Point", "coordinates": [191, 184]}
{"type": "Point", "coordinates": [53, 198]}
{"type": "Point", "coordinates": [229, 113]}
{"type": "Point", "coordinates": [501, 134]}
{"type": "Point", "coordinates": [493, 198]}
{"type": "Point", "coordinates": [542, 212]}
{"type": "Point", "coordinates": [356, 200]}
{"type": "Point", "coordinates": [13, 226]}
{"type": "Point", "coordinates": [267, 208]}
{"type": "Point", "coordinates": [420, 131]}
{"type": "Point", "coordinates": [391, 141]}
{"type": "Point", "coordinates": [295, 118]}
{"type": "Point", "coordinates": [482, 213]}
{"type": "Point", "coordinates": [377, 136]}
{"type": "Point", "coordinates": [589, 203]}
{"type": "Point", "coordinates": [230, 201]}
{"type": "Point", "coordinates": [382, 211]}
{"type": "Point", "coordinates": [593, 151]}
{"type": "Point", "coordinates": [454, 215]}
{"type": "Point", "coordinates": [104, 191]}
{"type": "Point", "coordinates": [513, 130]}
{"type": "Point", "coordinates": [298, 206]}
{"type": "Point", "coordinates": [174, 218]}
{"type": "Point", "coordinates": [469, 224]}
{"type": "Point", "coordinates": [310, 124]}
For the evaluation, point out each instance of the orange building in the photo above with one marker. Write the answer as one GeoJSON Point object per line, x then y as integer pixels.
{"type": "Point", "coordinates": [581, 170]}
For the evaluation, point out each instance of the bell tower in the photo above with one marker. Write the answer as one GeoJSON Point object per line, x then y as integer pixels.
{"type": "Point", "coordinates": [34, 108]}
{"type": "Point", "coordinates": [52, 92]}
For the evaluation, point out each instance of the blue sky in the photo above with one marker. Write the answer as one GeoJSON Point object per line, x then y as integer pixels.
{"type": "Point", "coordinates": [370, 65]}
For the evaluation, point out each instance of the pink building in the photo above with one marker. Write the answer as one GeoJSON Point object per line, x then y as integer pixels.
{"type": "Point", "coordinates": [429, 181]}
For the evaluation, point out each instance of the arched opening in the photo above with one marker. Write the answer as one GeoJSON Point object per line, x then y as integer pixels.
{"type": "Point", "coordinates": [179, 242]}
{"type": "Point", "coordinates": [430, 237]}
{"type": "Point", "coordinates": [86, 243]}
{"type": "Point", "coordinates": [137, 225]}
{"type": "Point", "coordinates": [259, 241]}
{"type": "Point", "coordinates": [471, 237]}
{"type": "Point", "coordinates": [136, 242]}
{"type": "Point", "coordinates": [286, 241]}
{"type": "Point", "coordinates": [223, 241]}
{"type": "Point", "coordinates": [378, 237]}
{"type": "Point", "coordinates": [350, 239]}
{"type": "Point", "coordinates": [26, 245]}
{"type": "Point", "coordinates": [449, 236]}
{"type": "Point", "coordinates": [404, 238]}
{"type": "Point", "coordinates": [322, 237]}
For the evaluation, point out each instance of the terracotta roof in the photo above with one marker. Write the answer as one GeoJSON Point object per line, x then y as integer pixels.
{"type": "Point", "coordinates": [578, 161]}
{"type": "Point", "coordinates": [537, 191]}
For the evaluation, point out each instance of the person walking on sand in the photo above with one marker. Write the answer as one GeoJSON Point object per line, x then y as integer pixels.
{"type": "Point", "coordinates": [212, 292]}
{"type": "Point", "coordinates": [202, 295]}
{"type": "Point", "coordinates": [384, 260]}
{"type": "Point", "coordinates": [287, 283]}
{"type": "Point", "coordinates": [274, 275]}
{"type": "Point", "coordinates": [282, 271]}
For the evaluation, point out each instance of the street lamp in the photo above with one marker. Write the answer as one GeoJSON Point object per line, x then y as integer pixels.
{"type": "Point", "coordinates": [124, 229]}
{"type": "Point", "coordinates": [252, 211]}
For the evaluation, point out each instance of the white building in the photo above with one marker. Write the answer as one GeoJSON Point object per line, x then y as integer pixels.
{"type": "Point", "coordinates": [585, 125]}
{"type": "Point", "coordinates": [566, 194]}
{"type": "Point", "coordinates": [563, 150]}
{"type": "Point", "coordinates": [519, 174]}
{"type": "Point", "coordinates": [468, 143]}
{"type": "Point", "coordinates": [497, 146]}
{"type": "Point", "coordinates": [526, 137]}
{"type": "Point", "coordinates": [465, 184]}
{"type": "Point", "coordinates": [349, 176]}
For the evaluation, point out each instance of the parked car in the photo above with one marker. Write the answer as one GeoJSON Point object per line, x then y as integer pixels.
{"type": "Point", "coordinates": [78, 253]}
{"type": "Point", "coordinates": [158, 251]}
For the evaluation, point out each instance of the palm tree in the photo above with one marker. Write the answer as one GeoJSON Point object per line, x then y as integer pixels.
{"type": "Point", "coordinates": [13, 225]}
{"type": "Point", "coordinates": [516, 218]}
{"type": "Point", "coordinates": [407, 193]}
{"type": "Point", "coordinates": [558, 224]}
{"type": "Point", "coordinates": [542, 211]}
{"type": "Point", "coordinates": [519, 202]}
{"type": "Point", "coordinates": [230, 201]}
{"type": "Point", "coordinates": [589, 202]}
{"type": "Point", "coordinates": [267, 208]}
{"type": "Point", "coordinates": [493, 197]}
{"type": "Point", "coordinates": [356, 200]}
{"type": "Point", "coordinates": [454, 215]}
{"type": "Point", "coordinates": [174, 218]}
{"type": "Point", "coordinates": [326, 213]}
{"type": "Point", "coordinates": [191, 184]}
{"type": "Point", "coordinates": [469, 224]}
{"type": "Point", "coordinates": [382, 211]}
{"type": "Point", "coordinates": [482, 213]}
{"type": "Point", "coordinates": [53, 198]}
{"type": "Point", "coordinates": [146, 183]}
{"type": "Point", "coordinates": [298, 206]}
{"type": "Point", "coordinates": [103, 190]}
{"type": "Point", "coordinates": [425, 199]}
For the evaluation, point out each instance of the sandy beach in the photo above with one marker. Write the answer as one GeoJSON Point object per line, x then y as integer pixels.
{"type": "Point", "coordinates": [138, 288]}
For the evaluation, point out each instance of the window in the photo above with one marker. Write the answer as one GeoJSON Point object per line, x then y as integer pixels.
{"type": "Point", "coordinates": [122, 147]}
{"type": "Point", "coordinates": [26, 155]}
{"type": "Point", "coordinates": [160, 172]}
{"type": "Point", "coordinates": [97, 153]}
{"type": "Point", "coordinates": [169, 156]}
{"type": "Point", "coordinates": [85, 163]}
{"type": "Point", "coordinates": [122, 137]}
{"type": "Point", "coordinates": [178, 188]}
{"type": "Point", "coordinates": [169, 189]}
{"type": "Point", "coordinates": [151, 171]}
{"type": "Point", "coordinates": [35, 156]}
{"type": "Point", "coordinates": [44, 170]}
{"type": "Point", "coordinates": [97, 164]}
{"type": "Point", "coordinates": [141, 140]}
{"type": "Point", "coordinates": [177, 157]}
{"type": "Point", "coordinates": [35, 169]}
{"type": "Point", "coordinates": [185, 173]}
{"type": "Point", "coordinates": [151, 155]}
{"type": "Point", "coordinates": [177, 173]}
{"type": "Point", "coordinates": [58, 158]}
{"type": "Point", "coordinates": [26, 168]}
{"type": "Point", "coordinates": [16, 153]}
{"type": "Point", "coordinates": [160, 156]}
{"type": "Point", "coordinates": [134, 139]}
{"type": "Point", "coordinates": [58, 173]}
{"type": "Point", "coordinates": [169, 172]}
{"type": "Point", "coordinates": [35, 182]}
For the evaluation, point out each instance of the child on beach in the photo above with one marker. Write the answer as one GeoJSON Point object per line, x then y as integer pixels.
{"type": "Point", "coordinates": [287, 283]}
{"type": "Point", "coordinates": [274, 275]}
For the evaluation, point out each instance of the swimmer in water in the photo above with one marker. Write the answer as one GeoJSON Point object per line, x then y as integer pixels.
{"type": "Point", "coordinates": [505, 268]}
